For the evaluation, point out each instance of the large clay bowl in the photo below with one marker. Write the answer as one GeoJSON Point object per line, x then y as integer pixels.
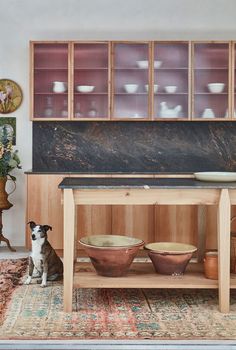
{"type": "Point", "coordinates": [111, 255]}
{"type": "Point", "coordinates": [170, 258]}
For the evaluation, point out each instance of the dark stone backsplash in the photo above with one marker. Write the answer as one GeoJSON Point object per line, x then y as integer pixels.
{"type": "Point", "coordinates": [143, 147]}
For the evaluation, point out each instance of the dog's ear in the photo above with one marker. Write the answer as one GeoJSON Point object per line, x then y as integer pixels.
{"type": "Point", "coordinates": [32, 224]}
{"type": "Point", "coordinates": [47, 227]}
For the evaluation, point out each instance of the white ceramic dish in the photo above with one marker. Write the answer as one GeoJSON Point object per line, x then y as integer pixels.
{"type": "Point", "coordinates": [155, 88]}
{"type": "Point", "coordinates": [157, 64]}
{"type": "Point", "coordinates": [216, 176]}
{"type": "Point", "coordinates": [85, 88]}
{"type": "Point", "coordinates": [208, 113]}
{"type": "Point", "coordinates": [142, 64]}
{"type": "Point", "coordinates": [170, 89]}
{"type": "Point", "coordinates": [131, 88]}
{"type": "Point", "coordinates": [216, 88]}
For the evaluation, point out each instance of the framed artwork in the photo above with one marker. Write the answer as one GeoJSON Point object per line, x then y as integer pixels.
{"type": "Point", "coordinates": [10, 125]}
{"type": "Point", "coordinates": [10, 96]}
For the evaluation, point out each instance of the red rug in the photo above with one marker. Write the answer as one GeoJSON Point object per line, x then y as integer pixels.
{"type": "Point", "coordinates": [11, 272]}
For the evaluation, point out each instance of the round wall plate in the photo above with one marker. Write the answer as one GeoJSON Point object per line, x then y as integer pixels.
{"type": "Point", "coordinates": [10, 96]}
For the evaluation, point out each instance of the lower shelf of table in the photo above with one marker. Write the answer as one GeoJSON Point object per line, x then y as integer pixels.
{"type": "Point", "coordinates": [142, 275]}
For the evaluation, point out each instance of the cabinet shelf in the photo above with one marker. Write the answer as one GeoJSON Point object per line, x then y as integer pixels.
{"type": "Point", "coordinates": [50, 69]}
{"type": "Point", "coordinates": [93, 68]}
{"type": "Point", "coordinates": [142, 275]}
{"type": "Point", "coordinates": [210, 93]}
{"type": "Point", "coordinates": [51, 93]}
{"type": "Point", "coordinates": [168, 93]}
{"type": "Point", "coordinates": [212, 68]}
{"type": "Point", "coordinates": [90, 93]}
{"type": "Point", "coordinates": [171, 68]}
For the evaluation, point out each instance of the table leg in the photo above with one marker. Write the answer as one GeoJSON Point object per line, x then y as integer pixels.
{"type": "Point", "coordinates": [69, 248]}
{"type": "Point", "coordinates": [223, 233]}
{"type": "Point", "coordinates": [201, 232]}
{"type": "Point", "coordinates": [2, 238]}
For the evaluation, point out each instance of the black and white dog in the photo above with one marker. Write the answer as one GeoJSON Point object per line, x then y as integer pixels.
{"type": "Point", "coordinates": [43, 260]}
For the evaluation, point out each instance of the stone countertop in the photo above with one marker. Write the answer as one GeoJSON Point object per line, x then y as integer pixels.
{"type": "Point", "coordinates": [112, 183]}
{"type": "Point", "coordinates": [144, 173]}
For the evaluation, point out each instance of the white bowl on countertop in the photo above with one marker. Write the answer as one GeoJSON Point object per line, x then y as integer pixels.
{"type": "Point", "coordinates": [216, 88]}
{"type": "Point", "coordinates": [216, 176]}
{"type": "Point", "coordinates": [85, 88]}
{"type": "Point", "coordinates": [131, 88]}
{"type": "Point", "coordinates": [170, 89]}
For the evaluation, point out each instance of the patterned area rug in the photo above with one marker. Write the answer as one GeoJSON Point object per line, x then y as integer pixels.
{"type": "Point", "coordinates": [11, 271]}
{"type": "Point", "coordinates": [36, 313]}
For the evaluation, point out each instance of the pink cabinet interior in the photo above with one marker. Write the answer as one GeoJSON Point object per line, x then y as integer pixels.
{"type": "Point", "coordinates": [211, 66]}
{"type": "Point", "coordinates": [171, 80]}
{"type": "Point", "coordinates": [130, 77]}
{"type": "Point", "coordinates": [50, 80]}
{"type": "Point", "coordinates": [91, 70]}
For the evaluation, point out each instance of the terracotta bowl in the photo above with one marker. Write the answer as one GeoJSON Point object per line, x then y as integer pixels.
{"type": "Point", "coordinates": [111, 255]}
{"type": "Point", "coordinates": [170, 258]}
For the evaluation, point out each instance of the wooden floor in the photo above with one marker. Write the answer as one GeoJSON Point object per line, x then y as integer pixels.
{"type": "Point", "coordinates": [117, 345]}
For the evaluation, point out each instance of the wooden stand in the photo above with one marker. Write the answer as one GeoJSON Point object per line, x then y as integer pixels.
{"type": "Point", "coordinates": [2, 238]}
{"type": "Point", "coordinates": [143, 275]}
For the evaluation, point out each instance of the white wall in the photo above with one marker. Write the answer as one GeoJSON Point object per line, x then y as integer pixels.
{"type": "Point", "coordinates": [24, 20]}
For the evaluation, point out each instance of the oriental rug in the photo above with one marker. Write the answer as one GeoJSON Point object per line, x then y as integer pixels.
{"type": "Point", "coordinates": [36, 313]}
{"type": "Point", "coordinates": [11, 272]}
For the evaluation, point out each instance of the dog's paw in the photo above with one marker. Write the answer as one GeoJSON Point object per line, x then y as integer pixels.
{"type": "Point", "coordinates": [36, 275]}
{"type": "Point", "coordinates": [28, 280]}
{"type": "Point", "coordinates": [43, 285]}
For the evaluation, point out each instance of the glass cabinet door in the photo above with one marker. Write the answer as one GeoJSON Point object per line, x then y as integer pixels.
{"type": "Point", "coordinates": [50, 81]}
{"type": "Point", "coordinates": [130, 75]}
{"type": "Point", "coordinates": [91, 76]}
{"type": "Point", "coordinates": [211, 81]}
{"type": "Point", "coordinates": [171, 80]}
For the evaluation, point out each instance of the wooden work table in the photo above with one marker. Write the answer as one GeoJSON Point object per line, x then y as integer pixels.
{"type": "Point", "coordinates": [146, 191]}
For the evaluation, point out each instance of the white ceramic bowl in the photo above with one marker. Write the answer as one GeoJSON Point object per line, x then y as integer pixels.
{"type": "Point", "coordinates": [131, 88]}
{"type": "Point", "coordinates": [85, 88]}
{"type": "Point", "coordinates": [142, 64]}
{"type": "Point", "coordinates": [157, 64]}
{"type": "Point", "coordinates": [216, 88]}
{"type": "Point", "coordinates": [217, 176]}
{"type": "Point", "coordinates": [155, 88]}
{"type": "Point", "coordinates": [170, 89]}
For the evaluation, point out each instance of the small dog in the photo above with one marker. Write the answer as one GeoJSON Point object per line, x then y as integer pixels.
{"type": "Point", "coordinates": [43, 261]}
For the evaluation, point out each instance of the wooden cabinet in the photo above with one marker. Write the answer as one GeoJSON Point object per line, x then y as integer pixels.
{"type": "Point", "coordinates": [151, 223]}
{"type": "Point", "coordinates": [50, 81]}
{"type": "Point", "coordinates": [130, 81]}
{"type": "Point", "coordinates": [171, 79]}
{"type": "Point", "coordinates": [152, 80]}
{"type": "Point", "coordinates": [211, 81]}
{"type": "Point", "coordinates": [91, 75]}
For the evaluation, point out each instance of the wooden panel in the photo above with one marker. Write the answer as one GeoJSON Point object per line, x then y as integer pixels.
{"type": "Point", "coordinates": [44, 206]}
{"type": "Point", "coordinates": [211, 227]}
{"type": "Point", "coordinates": [93, 220]}
{"type": "Point", "coordinates": [157, 196]}
{"type": "Point", "coordinates": [134, 220]}
{"type": "Point", "coordinates": [176, 223]}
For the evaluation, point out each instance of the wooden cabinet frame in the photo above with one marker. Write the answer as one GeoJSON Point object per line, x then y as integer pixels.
{"type": "Point", "coordinates": [230, 86]}
{"type": "Point", "coordinates": [110, 115]}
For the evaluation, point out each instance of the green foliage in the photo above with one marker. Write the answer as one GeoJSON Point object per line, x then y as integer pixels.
{"type": "Point", "coordinates": [9, 158]}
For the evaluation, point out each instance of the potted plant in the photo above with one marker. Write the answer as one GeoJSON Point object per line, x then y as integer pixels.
{"type": "Point", "coordinates": [9, 160]}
